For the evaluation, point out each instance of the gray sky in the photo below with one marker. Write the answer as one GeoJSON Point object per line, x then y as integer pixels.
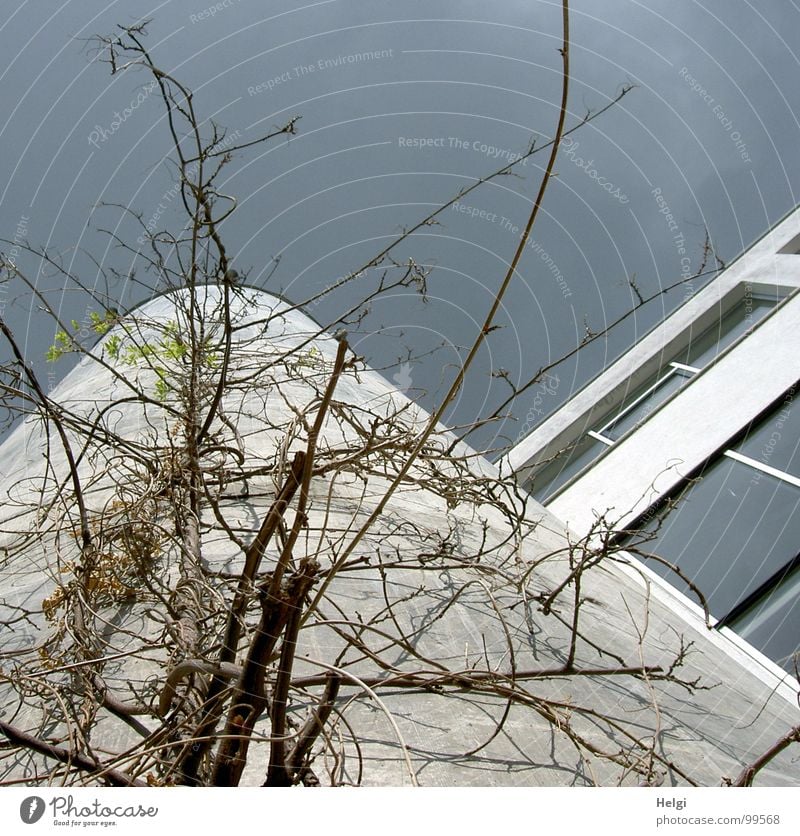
{"type": "Point", "coordinates": [710, 134]}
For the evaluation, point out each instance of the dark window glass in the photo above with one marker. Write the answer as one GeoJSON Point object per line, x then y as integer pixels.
{"type": "Point", "coordinates": [705, 347]}
{"type": "Point", "coordinates": [772, 624]}
{"type": "Point", "coordinates": [669, 384]}
{"type": "Point", "coordinates": [730, 531]}
{"type": "Point", "coordinates": [556, 473]}
{"type": "Point", "coordinates": [776, 441]}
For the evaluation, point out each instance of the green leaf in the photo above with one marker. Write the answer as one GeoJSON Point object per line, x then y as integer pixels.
{"type": "Point", "coordinates": [113, 345]}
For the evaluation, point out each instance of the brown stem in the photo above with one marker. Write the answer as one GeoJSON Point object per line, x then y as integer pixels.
{"type": "Point", "coordinates": [302, 502]}
{"type": "Point", "coordinates": [277, 773]}
{"type": "Point", "coordinates": [241, 719]}
{"type": "Point", "coordinates": [746, 776]}
{"type": "Point", "coordinates": [203, 735]}
{"type": "Point", "coordinates": [118, 708]}
{"type": "Point", "coordinates": [468, 678]}
{"type": "Point", "coordinates": [249, 699]}
{"type": "Point", "coordinates": [110, 776]}
{"type": "Point", "coordinates": [314, 725]}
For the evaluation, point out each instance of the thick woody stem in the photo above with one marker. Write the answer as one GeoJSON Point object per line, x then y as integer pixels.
{"type": "Point", "coordinates": [746, 776]}
{"type": "Point", "coordinates": [59, 753]}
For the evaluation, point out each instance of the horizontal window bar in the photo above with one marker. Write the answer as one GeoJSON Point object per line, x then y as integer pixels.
{"type": "Point", "coordinates": [598, 437]}
{"type": "Point", "coordinates": [764, 468]}
{"type": "Point", "coordinates": [685, 368]}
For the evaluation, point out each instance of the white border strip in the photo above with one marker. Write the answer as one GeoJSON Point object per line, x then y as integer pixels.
{"type": "Point", "coordinates": [725, 639]}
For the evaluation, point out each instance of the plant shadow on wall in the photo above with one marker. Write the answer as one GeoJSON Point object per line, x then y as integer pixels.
{"type": "Point", "coordinates": [233, 554]}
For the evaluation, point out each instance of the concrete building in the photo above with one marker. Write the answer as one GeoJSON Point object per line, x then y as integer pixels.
{"type": "Point", "coordinates": [479, 642]}
{"type": "Point", "coordinates": [692, 438]}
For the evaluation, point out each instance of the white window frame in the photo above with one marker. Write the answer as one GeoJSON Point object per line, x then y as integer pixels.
{"type": "Point", "coordinates": [738, 294]}
{"type": "Point", "coordinates": [672, 370]}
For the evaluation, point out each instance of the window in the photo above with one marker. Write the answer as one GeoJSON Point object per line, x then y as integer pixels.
{"type": "Point", "coordinates": [639, 407]}
{"type": "Point", "coordinates": [734, 532]}
{"type": "Point", "coordinates": [701, 351]}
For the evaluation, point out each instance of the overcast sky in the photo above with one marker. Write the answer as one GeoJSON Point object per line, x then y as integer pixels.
{"type": "Point", "coordinates": [403, 104]}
